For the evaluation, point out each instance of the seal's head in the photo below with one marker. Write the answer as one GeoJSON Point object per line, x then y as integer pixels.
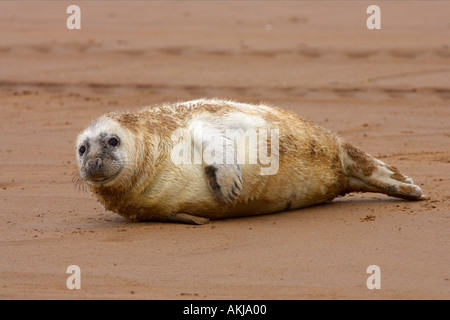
{"type": "Point", "coordinates": [102, 152]}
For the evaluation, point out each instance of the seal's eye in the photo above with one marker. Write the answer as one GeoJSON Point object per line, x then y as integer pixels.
{"type": "Point", "coordinates": [82, 150]}
{"type": "Point", "coordinates": [113, 142]}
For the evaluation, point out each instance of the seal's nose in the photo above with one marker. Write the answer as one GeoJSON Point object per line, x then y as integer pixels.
{"type": "Point", "coordinates": [93, 164]}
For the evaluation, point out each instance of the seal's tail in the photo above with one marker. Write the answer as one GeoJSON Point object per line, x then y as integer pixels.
{"type": "Point", "coordinates": [367, 174]}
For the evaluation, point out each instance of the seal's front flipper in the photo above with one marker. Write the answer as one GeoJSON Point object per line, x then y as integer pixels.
{"type": "Point", "coordinates": [221, 167]}
{"type": "Point", "coordinates": [225, 181]}
{"type": "Point", "coordinates": [367, 174]}
{"type": "Point", "coordinates": [187, 218]}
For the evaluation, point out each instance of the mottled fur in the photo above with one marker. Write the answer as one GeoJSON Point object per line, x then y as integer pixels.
{"type": "Point", "coordinates": [314, 166]}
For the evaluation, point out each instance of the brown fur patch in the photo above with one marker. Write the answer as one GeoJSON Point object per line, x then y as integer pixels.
{"type": "Point", "coordinates": [212, 108]}
{"type": "Point", "coordinates": [157, 121]}
{"type": "Point", "coordinates": [406, 188]}
{"type": "Point", "coordinates": [398, 176]}
{"type": "Point", "coordinates": [127, 120]}
{"type": "Point", "coordinates": [364, 163]}
{"type": "Point", "coordinates": [312, 147]}
{"type": "Point", "coordinates": [339, 188]}
{"type": "Point", "coordinates": [336, 164]}
{"type": "Point", "coordinates": [392, 168]}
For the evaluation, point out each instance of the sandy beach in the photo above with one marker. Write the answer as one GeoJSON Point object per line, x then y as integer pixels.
{"type": "Point", "coordinates": [386, 91]}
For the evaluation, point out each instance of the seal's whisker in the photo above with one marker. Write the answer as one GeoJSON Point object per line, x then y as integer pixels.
{"type": "Point", "coordinates": [78, 182]}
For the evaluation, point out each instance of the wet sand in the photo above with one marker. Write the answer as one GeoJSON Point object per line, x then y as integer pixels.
{"type": "Point", "coordinates": [386, 91]}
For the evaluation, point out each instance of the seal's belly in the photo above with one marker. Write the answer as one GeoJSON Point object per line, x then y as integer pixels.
{"type": "Point", "coordinates": [255, 207]}
{"type": "Point", "coordinates": [268, 195]}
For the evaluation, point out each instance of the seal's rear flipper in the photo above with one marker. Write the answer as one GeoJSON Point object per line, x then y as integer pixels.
{"type": "Point", "coordinates": [367, 174]}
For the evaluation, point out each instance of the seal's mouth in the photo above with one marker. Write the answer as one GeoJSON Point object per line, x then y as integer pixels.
{"type": "Point", "coordinates": [97, 180]}
{"type": "Point", "coordinates": [101, 180]}
{"type": "Point", "coordinates": [99, 177]}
